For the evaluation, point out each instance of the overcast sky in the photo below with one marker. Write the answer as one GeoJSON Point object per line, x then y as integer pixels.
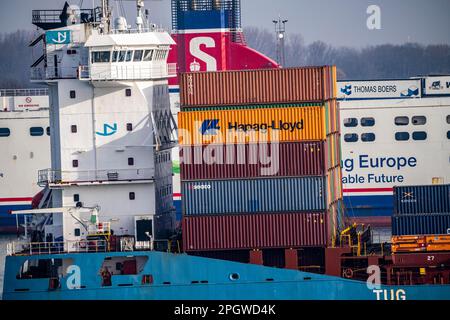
{"type": "Point", "coordinates": [337, 22]}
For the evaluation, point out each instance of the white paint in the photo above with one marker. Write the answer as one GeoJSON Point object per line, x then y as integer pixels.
{"type": "Point", "coordinates": [374, 19]}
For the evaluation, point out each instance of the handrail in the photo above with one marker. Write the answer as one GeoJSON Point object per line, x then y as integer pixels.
{"type": "Point", "coordinates": [57, 247]}
{"type": "Point", "coordinates": [23, 92]}
{"type": "Point", "coordinates": [126, 72]}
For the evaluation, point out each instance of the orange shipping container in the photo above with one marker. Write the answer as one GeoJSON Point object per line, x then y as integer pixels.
{"type": "Point", "coordinates": [306, 84]}
{"type": "Point", "coordinates": [251, 126]}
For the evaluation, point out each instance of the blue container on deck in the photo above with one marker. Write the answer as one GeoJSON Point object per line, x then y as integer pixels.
{"type": "Point", "coordinates": [421, 224]}
{"type": "Point", "coordinates": [422, 199]}
{"type": "Point", "coordinates": [217, 197]}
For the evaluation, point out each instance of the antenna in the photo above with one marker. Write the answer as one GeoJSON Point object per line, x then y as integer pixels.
{"type": "Point", "coordinates": [280, 30]}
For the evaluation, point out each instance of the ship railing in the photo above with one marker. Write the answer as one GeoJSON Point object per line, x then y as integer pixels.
{"type": "Point", "coordinates": [126, 72]}
{"type": "Point", "coordinates": [54, 16]}
{"type": "Point", "coordinates": [23, 92]}
{"type": "Point", "coordinates": [237, 36]}
{"type": "Point", "coordinates": [57, 247]}
{"type": "Point", "coordinates": [49, 176]}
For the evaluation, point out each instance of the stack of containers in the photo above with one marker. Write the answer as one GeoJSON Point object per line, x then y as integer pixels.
{"type": "Point", "coordinates": [421, 210]}
{"type": "Point", "coordinates": [260, 159]}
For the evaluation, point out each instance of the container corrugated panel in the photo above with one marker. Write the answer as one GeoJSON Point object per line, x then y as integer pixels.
{"type": "Point", "coordinates": [243, 161]}
{"type": "Point", "coordinates": [308, 84]}
{"type": "Point", "coordinates": [255, 106]}
{"type": "Point", "coordinates": [254, 231]}
{"type": "Point", "coordinates": [421, 224]}
{"type": "Point", "coordinates": [422, 199]}
{"type": "Point", "coordinates": [216, 197]}
{"type": "Point", "coordinates": [251, 126]}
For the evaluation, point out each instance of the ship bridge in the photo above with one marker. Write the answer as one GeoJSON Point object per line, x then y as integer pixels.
{"type": "Point", "coordinates": [128, 55]}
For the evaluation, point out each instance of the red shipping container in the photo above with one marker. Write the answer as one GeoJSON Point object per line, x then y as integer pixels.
{"type": "Point", "coordinates": [306, 84]}
{"type": "Point", "coordinates": [205, 233]}
{"type": "Point", "coordinates": [240, 161]}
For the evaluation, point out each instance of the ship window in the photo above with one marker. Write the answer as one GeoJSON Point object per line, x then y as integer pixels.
{"type": "Point", "coordinates": [69, 52]}
{"type": "Point", "coordinates": [351, 137]}
{"type": "Point", "coordinates": [75, 163]}
{"type": "Point", "coordinates": [115, 56]}
{"type": "Point", "coordinates": [448, 119]}
{"type": "Point", "coordinates": [129, 56]}
{"type": "Point", "coordinates": [350, 122]}
{"type": "Point", "coordinates": [402, 136]}
{"type": "Point", "coordinates": [72, 94]}
{"type": "Point", "coordinates": [77, 232]}
{"type": "Point", "coordinates": [401, 121]}
{"type": "Point", "coordinates": [368, 137]}
{"type": "Point", "coordinates": [5, 132]}
{"type": "Point", "coordinates": [76, 197]}
{"type": "Point", "coordinates": [419, 120]}
{"type": "Point", "coordinates": [45, 268]}
{"type": "Point", "coordinates": [128, 92]}
{"type": "Point", "coordinates": [138, 55]}
{"type": "Point", "coordinates": [448, 134]}
{"type": "Point", "coordinates": [148, 55]}
{"type": "Point", "coordinates": [101, 56]}
{"type": "Point", "coordinates": [131, 161]}
{"type": "Point", "coordinates": [36, 131]}
{"type": "Point", "coordinates": [419, 135]}
{"type": "Point", "coordinates": [368, 122]}
{"type": "Point", "coordinates": [73, 128]}
{"type": "Point", "coordinates": [48, 130]}
{"type": "Point", "coordinates": [132, 196]}
{"type": "Point", "coordinates": [129, 127]}
{"type": "Point", "coordinates": [121, 56]}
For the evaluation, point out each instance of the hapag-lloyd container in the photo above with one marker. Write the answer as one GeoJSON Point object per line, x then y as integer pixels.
{"type": "Point", "coordinates": [281, 230]}
{"type": "Point", "coordinates": [422, 199]}
{"type": "Point", "coordinates": [421, 224]}
{"type": "Point", "coordinates": [244, 161]}
{"type": "Point", "coordinates": [222, 197]}
{"type": "Point", "coordinates": [306, 84]}
{"type": "Point", "coordinates": [252, 126]}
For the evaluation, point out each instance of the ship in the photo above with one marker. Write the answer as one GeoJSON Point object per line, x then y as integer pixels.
{"type": "Point", "coordinates": [104, 227]}
{"type": "Point", "coordinates": [25, 145]}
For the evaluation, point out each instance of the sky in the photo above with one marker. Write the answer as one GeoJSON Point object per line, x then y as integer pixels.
{"type": "Point", "coordinates": [336, 22]}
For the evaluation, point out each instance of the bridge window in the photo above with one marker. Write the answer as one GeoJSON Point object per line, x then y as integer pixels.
{"type": "Point", "coordinates": [351, 137]}
{"type": "Point", "coordinates": [419, 135]}
{"type": "Point", "coordinates": [36, 131]}
{"type": "Point", "coordinates": [115, 56]}
{"type": "Point", "coordinates": [419, 120]}
{"type": "Point", "coordinates": [402, 136]}
{"type": "Point", "coordinates": [368, 122]}
{"type": "Point", "coordinates": [368, 137]}
{"type": "Point", "coordinates": [5, 132]}
{"type": "Point", "coordinates": [350, 122]}
{"type": "Point", "coordinates": [148, 54]}
{"type": "Point", "coordinates": [401, 121]}
{"type": "Point", "coordinates": [138, 55]}
{"type": "Point", "coordinates": [129, 56]}
{"type": "Point", "coordinates": [121, 56]}
{"type": "Point", "coordinates": [101, 56]}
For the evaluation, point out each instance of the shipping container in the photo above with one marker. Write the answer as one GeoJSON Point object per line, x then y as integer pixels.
{"type": "Point", "coordinates": [282, 230]}
{"type": "Point", "coordinates": [251, 126]}
{"type": "Point", "coordinates": [215, 197]}
{"type": "Point", "coordinates": [422, 199]}
{"type": "Point", "coordinates": [244, 161]}
{"type": "Point", "coordinates": [421, 224]}
{"type": "Point", "coordinates": [266, 86]}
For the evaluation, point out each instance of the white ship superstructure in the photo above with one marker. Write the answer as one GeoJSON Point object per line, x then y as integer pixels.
{"type": "Point", "coordinates": [24, 149]}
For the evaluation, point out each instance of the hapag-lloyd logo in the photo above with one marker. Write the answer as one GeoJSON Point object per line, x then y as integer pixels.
{"type": "Point", "coordinates": [211, 126]}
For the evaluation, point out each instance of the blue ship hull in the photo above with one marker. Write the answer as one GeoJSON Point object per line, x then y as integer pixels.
{"type": "Point", "coordinates": [8, 221]}
{"type": "Point", "coordinates": [183, 277]}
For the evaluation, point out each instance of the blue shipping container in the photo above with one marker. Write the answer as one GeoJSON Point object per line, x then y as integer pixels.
{"type": "Point", "coordinates": [422, 199]}
{"type": "Point", "coordinates": [423, 224]}
{"type": "Point", "coordinates": [216, 197]}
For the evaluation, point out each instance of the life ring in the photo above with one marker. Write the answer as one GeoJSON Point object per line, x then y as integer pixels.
{"type": "Point", "coordinates": [348, 273]}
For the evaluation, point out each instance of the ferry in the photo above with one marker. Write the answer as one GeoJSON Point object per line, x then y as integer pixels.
{"type": "Point", "coordinates": [105, 227]}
